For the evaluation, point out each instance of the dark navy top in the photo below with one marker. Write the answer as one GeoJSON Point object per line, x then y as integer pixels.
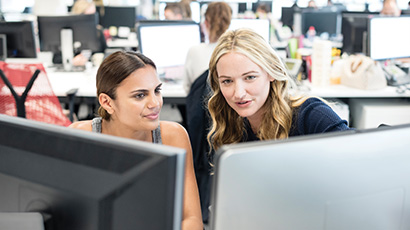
{"type": "Point", "coordinates": [313, 116]}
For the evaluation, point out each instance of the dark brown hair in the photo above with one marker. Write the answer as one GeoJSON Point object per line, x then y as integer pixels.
{"type": "Point", "coordinates": [114, 69]}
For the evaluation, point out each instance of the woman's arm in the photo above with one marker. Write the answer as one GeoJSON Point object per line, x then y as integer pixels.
{"type": "Point", "coordinates": [175, 135]}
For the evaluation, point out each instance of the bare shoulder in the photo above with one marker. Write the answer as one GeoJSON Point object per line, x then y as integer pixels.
{"type": "Point", "coordinates": [83, 125]}
{"type": "Point", "coordinates": [173, 133]}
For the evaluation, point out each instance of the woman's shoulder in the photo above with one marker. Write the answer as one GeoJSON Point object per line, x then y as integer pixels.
{"type": "Point", "coordinates": [172, 132]}
{"type": "Point", "coordinates": [171, 127]}
{"type": "Point", "coordinates": [83, 125]}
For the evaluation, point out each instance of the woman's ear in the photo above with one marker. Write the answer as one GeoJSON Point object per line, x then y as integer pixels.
{"type": "Point", "coordinates": [106, 102]}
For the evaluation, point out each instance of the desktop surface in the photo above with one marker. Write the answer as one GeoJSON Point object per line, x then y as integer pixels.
{"type": "Point", "coordinates": [348, 180]}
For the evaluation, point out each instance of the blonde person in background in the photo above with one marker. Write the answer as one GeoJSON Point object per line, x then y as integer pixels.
{"type": "Point", "coordinates": [87, 7]}
{"type": "Point", "coordinates": [217, 20]}
{"type": "Point", "coordinates": [250, 95]}
{"type": "Point", "coordinates": [129, 94]}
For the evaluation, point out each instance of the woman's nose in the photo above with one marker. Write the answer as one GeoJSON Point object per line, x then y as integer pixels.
{"type": "Point", "coordinates": [240, 91]}
{"type": "Point", "coordinates": [154, 102]}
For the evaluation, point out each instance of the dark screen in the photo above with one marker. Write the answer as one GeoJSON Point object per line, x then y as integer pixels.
{"type": "Point", "coordinates": [19, 38]}
{"type": "Point", "coordinates": [287, 16]}
{"type": "Point", "coordinates": [323, 21]}
{"type": "Point", "coordinates": [354, 31]}
{"type": "Point", "coordinates": [117, 16]}
{"type": "Point", "coordinates": [84, 31]}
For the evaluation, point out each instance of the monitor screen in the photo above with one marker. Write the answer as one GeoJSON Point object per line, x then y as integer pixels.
{"type": "Point", "coordinates": [85, 180]}
{"type": "Point", "coordinates": [85, 33]}
{"type": "Point", "coordinates": [287, 16]}
{"type": "Point", "coordinates": [19, 38]}
{"type": "Point", "coordinates": [167, 43]}
{"type": "Point", "coordinates": [396, 30]}
{"type": "Point", "coordinates": [349, 180]}
{"type": "Point", "coordinates": [322, 20]}
{"type": "Point", "coordinates": [354, 31]}
{"type": "Point", "coordinates": [117, 16]}
{"type": "Point", "coordinates": [260, 26]}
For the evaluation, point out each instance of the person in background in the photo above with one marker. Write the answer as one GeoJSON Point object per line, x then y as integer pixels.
{"type": "Point", "coordinates": [186, 9]}
{"type": "Point", "coordinates": [129, 93]}
{"type": "Point", "coordinates": [408, 5]}
{"type": "Point", "coordinates": [217, 20]}
{"type": "Point", "coordinates": [250, 95]}
{"type": "Point", "coordinates": [312, 4]}
{"type": "Point", "coordinates": [390, 8]}
{"type": "Point", "coordinates": [87, 7]}
{"type": "Point", "coordinates": [173, 11]}
{"type": "Point", "coordinates": [263, 11]}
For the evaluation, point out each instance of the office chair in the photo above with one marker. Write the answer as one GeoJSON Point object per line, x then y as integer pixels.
{"type": "Point", "coordinates": [25, 91]}
{"type": "Point", "coordinates": [198, 123]}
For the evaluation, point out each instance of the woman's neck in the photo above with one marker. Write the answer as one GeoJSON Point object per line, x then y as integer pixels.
{"type": "Point", "coordinates": [114, 129]}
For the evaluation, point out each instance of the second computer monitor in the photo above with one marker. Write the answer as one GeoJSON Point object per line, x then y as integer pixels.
{"type": "Point", "coordinates": [323, 21]}
{"type": "Point", "coordinates": [260, 26]}
{"type": "Point", "coordinates": [389, 37]}
{"type": "Point", "coordinates": [350, 180]}
{"type": "Point", "coordinates": [167, 43]}
{"type": "Point", "coordinates": [19, 39]}
{"type": "Point", "coordinates": [354, 31]}
{"type": "Point", "coordinates": [85, 33]}
{"type": "Point", "coordinates": [118, 16]}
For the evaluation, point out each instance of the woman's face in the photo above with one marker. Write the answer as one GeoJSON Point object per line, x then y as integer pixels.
{"type": "Point", "coordinates": [243, 83]}
{"type": "Point", "coordinates": [138, 100]}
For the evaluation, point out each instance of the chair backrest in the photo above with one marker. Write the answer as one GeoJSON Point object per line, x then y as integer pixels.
{"type": "Point", "coordinates": [40, 102]}
{"type": "Point", "coordinates": [198, 124]}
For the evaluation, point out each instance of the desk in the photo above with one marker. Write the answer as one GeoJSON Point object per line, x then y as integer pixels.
{"type": "Point", "coordinates": [341, 91]}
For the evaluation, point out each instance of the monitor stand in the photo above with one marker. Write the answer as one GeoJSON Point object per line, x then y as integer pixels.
{"type": "Point", "coordinates": [67, 48]}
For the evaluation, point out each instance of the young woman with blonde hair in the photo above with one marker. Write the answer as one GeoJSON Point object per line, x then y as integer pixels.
{"type": "Point", "coordinates": [251, 98]}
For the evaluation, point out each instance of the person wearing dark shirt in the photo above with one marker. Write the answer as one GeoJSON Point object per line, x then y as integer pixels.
{"type": "Point", "coordinates": [251, 97]}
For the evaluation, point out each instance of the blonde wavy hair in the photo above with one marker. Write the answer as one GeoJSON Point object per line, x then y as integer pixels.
{"type": "Point", "coordinates": [227, 126]}
{"type": "Point", "coordinates": [218, 15]}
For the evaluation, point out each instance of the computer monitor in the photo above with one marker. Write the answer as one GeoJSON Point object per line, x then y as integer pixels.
{"type": "Point", "coordinates": [167, 43]}
{"type": "Point", "coordinates": [260, 26]}
{"type": "Point", "coordinates": [354, 31]}
{"type": "Point", "coordinates": [323, 21]}
{"type": "Point", "coordinates": [287, 16]}
{"type": "Point", "coordinates": [332, 181]}
{"type": "Point", "coordinates": [85, 33]}
{"type": "Point", "coordinates": [117, 16]}
{"type": "Point", "coordinates": [85, 180]}
{"type": "Point", "coordinates": [405, 12]}
{"type": "Point", "coordinates": [19, 38]}
{"type": "Point", "coordinates": [396, 30]}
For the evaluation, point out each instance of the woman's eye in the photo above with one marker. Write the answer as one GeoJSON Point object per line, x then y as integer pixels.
{"type": "Point", "coordinates": [250, 77]}
{"type": "Point", "coordinates": [226, 81]}
{"type": "Point", "coordinates": [158, 90]}
{"type": "Point", "coordinates": [140, 95]}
